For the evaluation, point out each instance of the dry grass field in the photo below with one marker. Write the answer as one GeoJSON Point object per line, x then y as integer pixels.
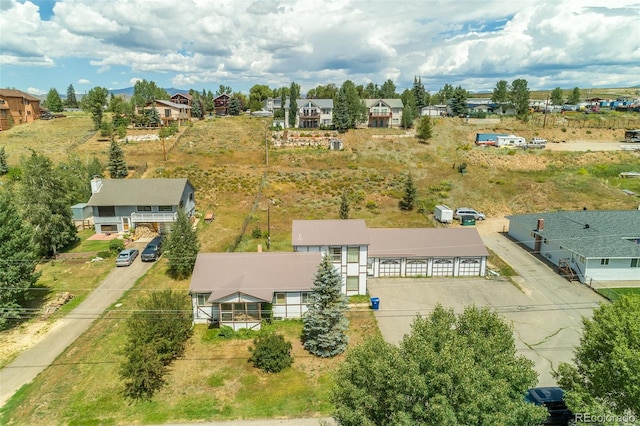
{"type": "Point", "coordinates": [225, 159]}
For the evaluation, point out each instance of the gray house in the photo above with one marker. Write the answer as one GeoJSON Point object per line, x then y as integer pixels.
{"type": "Point", "coordinates": [597, 245]}
{"type": "Point", "coordinates": [119, 205]}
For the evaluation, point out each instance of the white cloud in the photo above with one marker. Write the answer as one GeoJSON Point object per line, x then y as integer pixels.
{"type": "Point", "coordinates": [35, 91]}
{"type": "Point", "coordinates": [84, 81]}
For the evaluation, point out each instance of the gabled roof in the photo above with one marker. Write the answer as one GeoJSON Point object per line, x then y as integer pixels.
{"type": "Point", "coordinates": [329, 232]}
{"type": "Point", "coordinates": [610, 233]}
{"type": "Point", "coordinates": [391, 103]}
{"type": "Point", "coordinates": [168, 103]}
{"type": "Point", "coordinates": [320, 103]}
{"type": "Point", "coordinates": [254, 274]}
{"type": "Point", "coordinates": [12, 93]}
{"type": "Point", "coordinates": [139, 192]}
{"type": "Point", "coordinates": [223, 95]}
{"type": "Point", "coordinates": [425, 242]}
{"type": "Point", "coordinates": [184, 95]}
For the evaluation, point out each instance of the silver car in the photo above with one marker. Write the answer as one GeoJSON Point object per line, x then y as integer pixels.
{"type": "Point", "coordinates": [126, 257]}
{"type": "Point", "coordinates": [466, 211]}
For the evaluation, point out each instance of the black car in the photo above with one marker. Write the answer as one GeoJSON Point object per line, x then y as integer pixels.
{"type": "Point", "coordinates": [152, 251]}
{"type": "Point", "coordinates": [553, 399]}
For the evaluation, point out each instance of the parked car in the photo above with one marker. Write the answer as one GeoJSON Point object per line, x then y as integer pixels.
{"type": "Point", "coordinates": [126, 257]}
{"type": "Point", "coordinates": [466, 211]}
{"type": "Point", "coordinates": [553, 399]}
{"type": "Point", "coordinates": [152, 251]}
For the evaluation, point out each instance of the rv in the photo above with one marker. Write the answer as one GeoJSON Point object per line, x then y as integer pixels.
{"type": "Point", "coordinates": [510, 141]}
{"type": "Point", "coordinates": [487, 139]}
{"type": "Point", "coordinates": [443, 214]}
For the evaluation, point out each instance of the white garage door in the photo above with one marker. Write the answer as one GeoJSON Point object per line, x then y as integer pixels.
{"type": "Point", "coordinates": [469, 267]}
{"type": "Point", "coordinates": [442, 267]}
{"type": "Point", "coordinates": [416, 267]}
{"type": "Point", "coordinates": [389, 267]}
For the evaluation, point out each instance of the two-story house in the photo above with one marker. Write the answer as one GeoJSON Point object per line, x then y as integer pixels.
{"type": "Point", "coordinates": [17, 107]}
{"type": "Point", "coordinates": [221, 104]}
{"type": "Point", "coordinates": [121, 204]}
{"type": "Point", "coordinates": [384, 112]}
{"type": "Point", "coordinates": [182, 99]}
{"type": "Point", "coordinates": [311, 113]}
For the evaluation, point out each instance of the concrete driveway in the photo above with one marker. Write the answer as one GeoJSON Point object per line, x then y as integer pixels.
{"type": "Point", "coordinates": [66, 330]}
{"type": "Point", "coordinates": [546, 313]}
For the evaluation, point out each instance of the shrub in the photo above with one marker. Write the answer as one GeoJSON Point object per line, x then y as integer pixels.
{"type": "Point", "coordinates": [226, 332]}
{"type": "Point", "coordinates": [104, 254]}
{"type": "Point", "coordinates": [115, 246]}
{"type": "Point", "coordinates": [271, 353]}
{"type": "Point", "coordinates": [256, 233]}
{"type": "Point", "coordinates": [564, 129]}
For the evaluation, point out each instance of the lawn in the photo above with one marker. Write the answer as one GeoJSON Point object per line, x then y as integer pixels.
{"type": "Point", "coordinates": [614, 294]}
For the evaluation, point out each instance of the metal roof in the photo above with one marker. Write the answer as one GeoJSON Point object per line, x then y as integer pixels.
{"type": "Point", "coordinates": [254, 274]}
{"type": "Point", "coordinates": [139, 192]}
{"type": "Point", "coordinates": [426, 242]}
{"type": "Point", "coordinates": [589, 233]}
{"type": "Point", "coordinates": [336, 232]}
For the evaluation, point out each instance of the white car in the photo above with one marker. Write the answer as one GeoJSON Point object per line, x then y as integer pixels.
{"type": "Point", "coordinates": [466, 211]}
{"type": "Point", "coordinates": [126, 257]}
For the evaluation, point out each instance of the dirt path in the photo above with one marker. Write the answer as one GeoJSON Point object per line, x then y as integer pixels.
{"type": "Point", "coordinates": [65, 331]}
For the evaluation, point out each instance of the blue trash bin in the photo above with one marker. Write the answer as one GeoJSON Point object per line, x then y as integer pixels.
{"type": "Point", "coordinates": [375, 303]}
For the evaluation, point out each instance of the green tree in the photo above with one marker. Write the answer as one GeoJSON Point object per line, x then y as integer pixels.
{"type": "Point", "coordinates": [341, 118]}
{"type": "Point", "coordinates": [450, 370]}
{"type": "Point", "coordinates": [271, 353]}
{"type": "Point", "coordinates": [18, 261]}
{"type": "Point", "coordinates": [234, 106]}
{"type": "Point", "coordinates": [44, 204]}
{"type": "Point", "coordinates": [424, 131]}
{"type": "Point", "coordinates": [76, 179]}
{"type": "Point", "coordinates": [410, 110]}
{"type": "Point", "coordinates": [500, 95]}
{"type": "Point", "coordinates": [371, 91]}
{"type": "Point", "coordinates": [324, 330]}
{"type": "Point", "coordinates": [356, 106]}
{"type": "Point", "coordinates": [4, 167]}
{"type": "Point", "coordinates": [519, 97]}
{"type": "Point", "coordinates": [257, 95]}
{"type": "Point", "coordinates": [94, 103]}
{"type": "Point", "coordinates": [147, 91]}
{"type": "Point", "coordinates": [606, 372]}
{"type": "Point", "coordinates": [323, 92]}
{"type": "Point", "coordinates": [181, 247]}
{"type": "Point", "coordinates": [445, 94]}
{"type": "Point", "coordinates": [408, 200]}
{"type": "Point", "coordinates": [294, 94]}
{"type": "Point", "coordinates": [224, 90]}
{"type": "Point", "coordinates": [459, 104]}
{"type": "Point", "coordinates": [94, 168]}
{"type": "Point", "coordinates": [117, 166]}
{"type": "Point", "coordinates": [574, 97]}
{"type": "Point", "coordinates": [157, 332]}
{"type": "Point", "coordinates": [557, 96]}
{"type": "Point", "coordinates": [388, 90]}
{"type": "Point", "coordinates": [344, 205]}
{"type": "Point", "coordinates": [419, 94]}
{"type": "Point", "coordinates": [54, 103]}
{"type": "Point", "coordinates": [71, 101]}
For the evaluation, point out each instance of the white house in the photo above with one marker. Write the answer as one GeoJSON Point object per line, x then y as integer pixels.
{"type": "Point", "coordinates": [311, 114]}
{"type": "Point", "coordinates": [598, 245]}
{"type": "Point", "coordinates": [384, 112]}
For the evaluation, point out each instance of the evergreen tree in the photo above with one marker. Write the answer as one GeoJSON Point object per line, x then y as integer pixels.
{"type": "Point", "coordinates": [409, 199]}
{"type": "Point", "coordinates": [500, 95]}
{"type": "Point", "coordinates": [325, 325]}
{"type": "Point", "coordinates": [459, 104]}
{"type": "Point", "coordinates": [445, 94]}
{"type": "Point", "coordinates": [181, 247]}
{"type": "Point", "coordinates": [419, 94]}
{"type": "Point", "coordinates": [18, 260]}
{"type": "Point", "coordinates": [294, 93]}
{"type": "Point", "coordinates": [557, 96]}
{"type": "Point", "coordinates": [234, 106]}
{"type": "Point", "coordinates": [519, 97]}
{"type": "Point", "coordinates": [94, 168]}
{"type": "Point", "coordinates": [44, 204]}
{"type": "Point", "coordinates": [574, 97]}
{"type": "Point", "coordinates": [54, 103]}
{"type": "Point", "coordinates": [93, 103]}
{"type": "Point", "coordinates": [344, 206]}
{"type": "Point", "coordinates": [117, 166]}
{"type": "Point", "coordinates": [341, 119]}
{"type": "Point", "coordinates": [424, 132]}
{"type": "Point", "coordinates": [4, 167]}
{"type": "Point", "coordinates": [356, 106]}
{"type": "Point", "coordinates": [271, 353]}
{"type": "Point", "coordinates": [388, 90]}
{"type": "Point", "coordinates": [71, 101]}
{"type": "Point", "coordinates": [408, 115]}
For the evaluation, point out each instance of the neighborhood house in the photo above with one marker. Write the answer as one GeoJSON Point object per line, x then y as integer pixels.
{"type": "Point", "coordinates": [17, 107]}
{"type": "Point", "coordinates": [119, 205]}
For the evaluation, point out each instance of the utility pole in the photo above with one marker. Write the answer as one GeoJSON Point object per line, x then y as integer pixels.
{"type": "Point", "coordinates": [266, 145]}
{"type": "Point", "coordinates": [546, 111]}
{"type": "Point", "coordinates": [268, 224]}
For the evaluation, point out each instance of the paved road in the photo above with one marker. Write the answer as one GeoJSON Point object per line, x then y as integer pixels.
{"type": "Point", "coordinates": [546, 315]}
{"type": "Point", "coordinates": [66, 330]}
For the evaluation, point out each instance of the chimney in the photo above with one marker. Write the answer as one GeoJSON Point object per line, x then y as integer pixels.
{"type": "Point", "coordinates": [540, 224]}
{"type": "Point", "coordinates": [96, 184]}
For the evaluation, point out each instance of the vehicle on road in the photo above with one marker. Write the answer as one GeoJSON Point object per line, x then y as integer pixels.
{"type": "Point", "coordinates": [126, 257]}
{"type": "Point", "coordinates": [553, 399]}
{"type": "Point", "coordinates": [152, 251]}
{"type": "Point", "coordinates": [466, 211]}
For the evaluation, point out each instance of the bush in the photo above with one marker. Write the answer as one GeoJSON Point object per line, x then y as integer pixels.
{"type": "Point", "coordinates": [271, 353]}
{"type": "Point", "coordinates": [116, 246]}
{"type": "Point", "coordinates": [226, 332]}
{"type": "Point", "coordinates": [256, 233]}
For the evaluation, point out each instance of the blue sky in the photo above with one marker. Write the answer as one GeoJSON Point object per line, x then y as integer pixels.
{"type": "Point", "coordinates": [202, 44]}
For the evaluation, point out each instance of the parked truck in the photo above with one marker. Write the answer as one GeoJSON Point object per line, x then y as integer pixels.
{"type": "Point", "coordinates": [443, 214]}
{"type": "Point", "coordinates": [536, 143]}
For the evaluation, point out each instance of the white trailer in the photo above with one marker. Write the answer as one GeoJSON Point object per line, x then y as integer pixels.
{"type": "Point", "coordinates": [443, 214]}
{"type": "Point", "coordinates": [510, 141]}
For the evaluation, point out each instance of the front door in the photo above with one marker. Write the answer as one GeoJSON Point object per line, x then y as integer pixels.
{"type": "Point", "coordinates": [125, 224]}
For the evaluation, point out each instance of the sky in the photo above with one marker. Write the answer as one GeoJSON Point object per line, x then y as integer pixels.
{"type": "Point", "coordinates": [202, 44]}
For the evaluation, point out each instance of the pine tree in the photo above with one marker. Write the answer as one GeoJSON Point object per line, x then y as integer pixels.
{"type": "Point", "coordinates": [4, 167]}
{"type": "Point", "coordinates": [409, 199]}
{"type": "Point", "coordinates": [419, 93]}
{"type": "Point", "coordinates": [181, 247]}
{"type": "Point", "coordinates": [294, 92]}
{"type": "Point", "coordinates": [344, 206]}
{"type": "Point", "coordinates": [234, 106]}
{"type": "Point", "coordinates": [71, 101]}
{"type": "Point", "coordinates": [325, 325]}
{"type": "Point", "coordinates": [424, 132]}
{"type": "Point", "coordinates": [117, 166]}
{"type": "Point", "coordinates": [18, 260]}
{"type": "Point", "coordinates": [341, 119]}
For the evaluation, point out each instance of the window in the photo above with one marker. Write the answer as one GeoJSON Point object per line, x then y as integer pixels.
{"type": "Point", "coordinates": [336, 254]}
{"type": "Point", "coordinates": [143, 208]}
{"type": "Point", "coordinates": [226, 311]}
{"type": "Point", "coordinates": [604, 261]}
{"type": "Point", "coordinates": [202, 299]}
{"type": "Point", "coordinates": [167, 113]}
{"type": "Point", "coordinates": [635, 263]}
{"type": "Point", "coordinates": [280, 299]}
{"type": "Point", "coordinates": [352, 283]}
{"type": "Point", "coordinates": [106, 211]}
{"type": "Point", "coordinates": [353, 254]}
{"type": "Point", "coordinates": [191, 196]}
{"type": "Point", "coordinates": [165, 208]}
{"type": "Point", "coordinates": [305, 298]}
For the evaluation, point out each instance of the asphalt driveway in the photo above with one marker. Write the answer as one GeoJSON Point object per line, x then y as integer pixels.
{"type": "Point", "coordinates": [546, 313]}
